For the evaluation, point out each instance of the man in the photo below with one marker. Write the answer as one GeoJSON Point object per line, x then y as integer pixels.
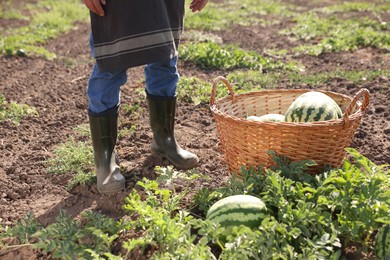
{"type": "Point", "coordinates": [127, 34]}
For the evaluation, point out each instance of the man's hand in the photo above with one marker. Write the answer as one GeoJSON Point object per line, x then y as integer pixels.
{"type": "Point", "coordinates": [96, 6]}
{"type": "Point", "coordinates": [197, 5]}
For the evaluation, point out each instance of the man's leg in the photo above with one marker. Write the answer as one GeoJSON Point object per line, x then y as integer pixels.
{"type": "Point", "coordinates": [103, 108]}
{"type": "Point", "coordinates": [161, 82]}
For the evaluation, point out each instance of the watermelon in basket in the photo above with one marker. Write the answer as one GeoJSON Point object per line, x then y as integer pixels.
{"type": "Point", "coordinates": [319, 133]}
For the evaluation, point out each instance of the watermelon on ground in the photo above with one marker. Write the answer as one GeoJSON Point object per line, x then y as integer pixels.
{"type": "Point", "coordinates": [238, 210]}
{"type": "Point", "coordinates": [382, 243]}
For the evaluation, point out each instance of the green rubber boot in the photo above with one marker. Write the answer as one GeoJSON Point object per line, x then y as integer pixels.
{"type": "Point", "coordinates": [104, 134]}
{"type": "Point", "coordinates": [162, 112]}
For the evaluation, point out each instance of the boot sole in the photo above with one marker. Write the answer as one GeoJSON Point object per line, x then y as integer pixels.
{"type": "Point", "coordinates": [187, 167]}
{"type": "Point", "coordinates": [112, 190]}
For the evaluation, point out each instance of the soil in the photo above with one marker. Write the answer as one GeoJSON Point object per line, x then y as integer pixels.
{"type": "Point", "coordinates": [57, 89]}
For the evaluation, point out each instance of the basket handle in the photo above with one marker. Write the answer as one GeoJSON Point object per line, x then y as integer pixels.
{"type": "Point", "coordinates": [365, 93]}
{"type": "Point", "coordinates": [214, 90]}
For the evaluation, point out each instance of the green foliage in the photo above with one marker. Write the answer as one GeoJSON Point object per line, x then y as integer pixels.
{"type": "Point", "coordinates": [296, 171]}
{"type": "Point", "coordinates": [168, 175]}
{"type": "Point", "coordinates": [49, 19]}
{"type": "Point", "coordinates": [127, 130]}
{"type": "Point", "coordinates": [251, 80]}
{"type": "Point", "coordinates": [67, 239]}
{"type": "Point", "coordinates": [211, 55]}
{"type": "Point", "coordinates": [265, 7]}
{"type": "Point", "coordinates": [221, 15]}
{"type": "Point", "coordinates": [81, 178]}
{"type": "Point", "coordinates": [103, 223]}
{"type": "Point", "coordinates": [8, 12]}
{"type": "Point", "coordinates": [359, 195]}
{"type": "Point", "coordinates": [194, 90]}
{"type": "Point", "coordinates": [200, 36]}
{"type": "Point", "coordinates": [61, 238]}
{"type": "Point", "coordinates": [331, 34]}
{"type": "Point", "coordinates": [83, 130]}
{"type": "Point", "coordinates": [72, 156]}
{"type": "Point", "coordinates": [355, 7]}
{"type": "Point", "coordinates": [326, 77]}
{"type": "Point", "coordinates": [164, 224]}
{"type": "Point", "coordinates": [24, 229]}
{"type": "Point", "coordinates": [212, 18]}
{"type": "Point", "coordinates": [14, 111]}
{"type": "Point", "coordinates": [129, 111]}
{"type": "Point", "coordinates": [315, 213]}
{"type": "Point", "coordinates": [310, 217]}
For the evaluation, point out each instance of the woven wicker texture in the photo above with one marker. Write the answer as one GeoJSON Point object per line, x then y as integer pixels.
{"type": "Point", "coordinates": [245, 142]}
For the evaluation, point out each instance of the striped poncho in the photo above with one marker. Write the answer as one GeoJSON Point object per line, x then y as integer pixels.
{"type": "Point", "coordinates": [136, 32]}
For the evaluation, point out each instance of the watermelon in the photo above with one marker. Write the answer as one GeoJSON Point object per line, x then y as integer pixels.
{"type": "Point", "coordinates": [313, 106]}
{"type": "Point", "coordinates": [238, 210]}
{"type": "Point", "coordinates": [267, 118]}
{"type": "Point", "coordinates": [382, 243]}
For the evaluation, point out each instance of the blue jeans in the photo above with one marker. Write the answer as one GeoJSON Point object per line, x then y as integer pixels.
{"type": "Point", "coordinates": [104, 87]}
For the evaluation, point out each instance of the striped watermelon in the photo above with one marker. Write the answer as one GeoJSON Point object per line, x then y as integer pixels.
{"type": "Point", "coordinates": [313, 106]}
{"type": "Point", "coordinates": [382, 243]}
{"type": "Point", "coordinates": [267, 118]}
{"type": "Point", "coordinates": [238, 210]}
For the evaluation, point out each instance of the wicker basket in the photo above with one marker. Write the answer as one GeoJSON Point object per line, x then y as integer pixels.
{"type": "Point", "coordinates": [245, 142]}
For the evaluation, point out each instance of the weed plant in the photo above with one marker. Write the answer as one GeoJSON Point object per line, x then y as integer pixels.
{"type": "Point", "coordinates": [49, 19]}
{"type": "Point", "coordinates": [8, 12]}
{"type": "Point", "coordinates": [71, 156]}
{"type": "Point", "coordinates": [376, 8]}
{"type": "Point", "coordinates": [218, 16]}
{"type": "Point", "coordinates": [211, 55]}
{"type": "Point", "coordinates": [331, 34]}
{"type": "Point", "coordinates": [196, 91]}
{"type": "Point", "coordinates": [15, 112]}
